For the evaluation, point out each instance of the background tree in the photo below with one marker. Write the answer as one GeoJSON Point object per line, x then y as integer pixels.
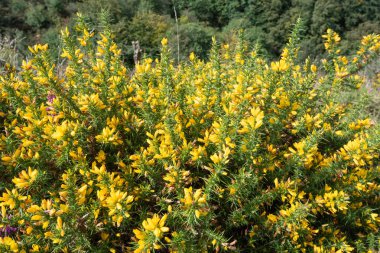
{"type": "Point", "coordinates": [266, 22]}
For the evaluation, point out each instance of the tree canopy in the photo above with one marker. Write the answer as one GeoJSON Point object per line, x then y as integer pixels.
{"type": "Point", "coordinates": [268, 22]}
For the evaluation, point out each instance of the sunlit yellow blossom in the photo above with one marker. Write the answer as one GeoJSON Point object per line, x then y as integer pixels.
{"type": "Point", "coordinates": [198, 153]}
{"type": "Point", "coordinates": [10, 197]}
{"type": "Point", "coordinates": [101, 156]}
{"type": "Point", "coordinates": [25, 179]}
{"type": "Point", "coordinates": [334, 201]}
{"type": "Point", "coordinates": [253, 122]}
{"type": "Point", "coordinates": [281, 65]}
{"type": "Point", "coordinates": [272, 218]}
{"type": "Point", "coordinates": [37, 48]}
{"type": "Point", "coordinates": [164, 41]}
{"type": "Point", "coordinates": [118, 204]}
{"type": "Point", "coordinates": [60, 131]}
{"type": "Point", "coordinates": [109, 136]}
{"type": "Point", "coordinates": [9, 243]}
{"type": "Point", "coordinates": [331, 39]}
{"type": "Point", "coordinates": [195, 200]}
{"type": "Point", "coordinates": [151, 226]}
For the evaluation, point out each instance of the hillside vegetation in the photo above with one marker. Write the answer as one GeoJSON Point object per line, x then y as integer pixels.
{"type": "Point", "coordinates": [268, 22]}
{"type": "Point", "coordinates": [236, 153]}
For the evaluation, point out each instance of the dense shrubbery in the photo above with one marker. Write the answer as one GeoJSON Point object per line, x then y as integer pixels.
{"type": "Point", "coordinates": [232, 154]}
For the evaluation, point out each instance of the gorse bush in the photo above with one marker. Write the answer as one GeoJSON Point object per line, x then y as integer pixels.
{"type": "Point", "coordinates": [232, 154]}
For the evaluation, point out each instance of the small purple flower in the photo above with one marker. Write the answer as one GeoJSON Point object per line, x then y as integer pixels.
{"type": "Point", "coordinates": [51, 97]}
{"type": "Point", "coordinates": [7, 231]}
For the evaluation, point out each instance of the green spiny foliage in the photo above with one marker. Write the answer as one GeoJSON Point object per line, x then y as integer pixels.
{"type": "Point", "coordinates": [230, 154]}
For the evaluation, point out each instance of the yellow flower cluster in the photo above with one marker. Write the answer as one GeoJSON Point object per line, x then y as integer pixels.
{"type": "Point", "coordinates": [25, 179]}
{"type": "Point", "coordinates": [194, 201]}
{"type": "Point", "coordinates": [149, 237]}
{"type": "Point", "coordinates": [331, 39]}
{"type": "Point", "coordinates": [226, 154]}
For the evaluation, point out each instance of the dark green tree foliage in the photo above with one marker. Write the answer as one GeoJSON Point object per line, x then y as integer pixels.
{"type": "Point", "coordinates": [216, 13]}
{"type": "Point", "coordinates": [119, 10]}
{"type": "Point", "coordinates": [33, 21]}
{"type": "Point", "coordinates": [268, 22]}
{"type": "Point", "coordinates": [163, 7]}
{"type": "Point", "coordinates": [193, 37]}
{"type": "Point", "coordinates": [147, 28]}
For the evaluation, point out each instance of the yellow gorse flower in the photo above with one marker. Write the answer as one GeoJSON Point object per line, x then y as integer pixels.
{"type": "Point", "coordinates": [279, 66]}
{"type": "Point", "coordinates": [25, 178]}
{"type": "Point", "coordinates": [164, 41]}
{"type": "Point", "coordinates": [196, 201]}
{"type": "Point", "coordinates": [331, 39]}
{"type": "Point", "coordinates": [334, 201]}
{"type": "Point", "coordinates": [109, 135]}
{"type": "Point", "coordinates": [10, 243]}
{"type": "Point", "coordinates": [155, 227]}
{"type": "Point", "coordinates": [117, 202]}
{"type": "Point", "coordinates": [10, 198]}
{"type": "Point", "coordinates": [252, 122]}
